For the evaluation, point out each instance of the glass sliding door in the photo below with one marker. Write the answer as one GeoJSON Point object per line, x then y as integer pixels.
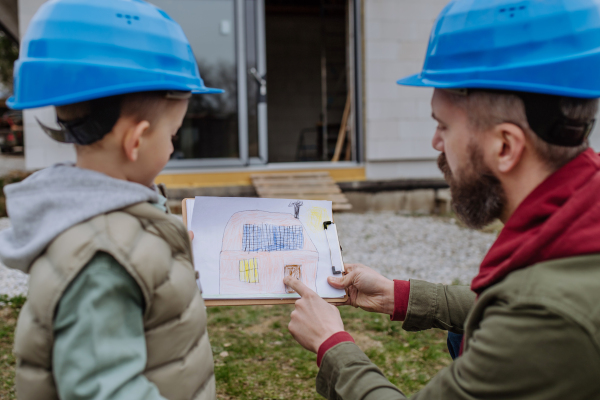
{"type": "Point", "coordinates": [257, 82]}
{"type": "Point", "coordinates": [306, 49]}
{"type": "Point", "coordinates": [220, 129]}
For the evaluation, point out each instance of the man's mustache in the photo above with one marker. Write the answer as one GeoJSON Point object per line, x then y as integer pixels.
{"type": "Point", "coordinates": [442, 163]}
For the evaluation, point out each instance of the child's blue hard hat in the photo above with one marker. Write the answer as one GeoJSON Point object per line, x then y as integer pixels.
{"type": "Point", "coordinates": [539, 46]}
{"type": "Point", "coordinates": [78, 50]}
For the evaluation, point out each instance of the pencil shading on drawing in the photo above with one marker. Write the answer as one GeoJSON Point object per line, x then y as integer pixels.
{"type": "Point", "coordinates": [257, 246]}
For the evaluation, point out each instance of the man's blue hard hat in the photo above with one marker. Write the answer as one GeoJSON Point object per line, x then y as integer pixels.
{"type": "Point", "coordinates": [78, 50]}
{"type": "Point", "coordinates": [538, 46]}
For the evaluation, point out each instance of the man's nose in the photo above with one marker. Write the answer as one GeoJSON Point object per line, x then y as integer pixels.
{"type": "Point", "coordinates": [437, 142]}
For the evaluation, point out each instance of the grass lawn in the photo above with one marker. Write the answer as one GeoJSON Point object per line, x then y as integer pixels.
{"type": "Point", "coordinates": [9, 311]}
{"type": "Point", "coordinates": [256, 358]}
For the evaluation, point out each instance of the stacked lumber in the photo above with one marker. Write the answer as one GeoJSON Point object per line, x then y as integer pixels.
{"type": "Point", "coordinates": [302, 186]}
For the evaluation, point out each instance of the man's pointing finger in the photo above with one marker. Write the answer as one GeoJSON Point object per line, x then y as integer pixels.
{"type": "Point", "coordinates": [297, 285]}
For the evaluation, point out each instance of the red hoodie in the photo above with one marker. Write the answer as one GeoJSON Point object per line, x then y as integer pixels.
{"type": "Point", "coordinates": [560, 218]}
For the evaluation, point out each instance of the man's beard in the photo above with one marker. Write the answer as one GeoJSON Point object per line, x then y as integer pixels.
{"type": "Point", "coordinates": [477, 197]}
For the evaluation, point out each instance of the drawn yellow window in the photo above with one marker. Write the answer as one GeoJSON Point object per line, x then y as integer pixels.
{"type": "Point", "coordinates": [249, 270]}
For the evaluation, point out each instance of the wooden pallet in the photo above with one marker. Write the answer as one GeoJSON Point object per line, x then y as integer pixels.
{"type": "Point", "coordinates": [302, 186]}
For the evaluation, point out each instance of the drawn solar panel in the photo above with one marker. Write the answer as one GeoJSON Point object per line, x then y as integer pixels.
{"type": "Point", "coordinates": [269, 237]}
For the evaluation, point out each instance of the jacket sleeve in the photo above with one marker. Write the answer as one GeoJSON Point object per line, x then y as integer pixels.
{"type": "Point", "coordinates": [100, 349]}
{"type": "Point", "coordinates": [437, 306]}
{"type": "Point", "coordinates": [347, 373]}
{"type": "Point", "coordinates": [517, 353]}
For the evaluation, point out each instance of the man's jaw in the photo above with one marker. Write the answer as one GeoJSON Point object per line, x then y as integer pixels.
{"type": "Point", "coordinates": [443, 165]}
{"type": "Point", "coordinates": [478, 197]}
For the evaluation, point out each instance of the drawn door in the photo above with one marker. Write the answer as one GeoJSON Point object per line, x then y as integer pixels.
{"type": "Point", "coordinates": [295, 271]}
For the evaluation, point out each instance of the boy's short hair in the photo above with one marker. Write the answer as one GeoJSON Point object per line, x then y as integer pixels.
{"type": "Point", "coordinates": [147, 106]}
{"type": "Point", "coordinates": [141, 106]}
{"type": "Point", "coordinates": [485, 109]}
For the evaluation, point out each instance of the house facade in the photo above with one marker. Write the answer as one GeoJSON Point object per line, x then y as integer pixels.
{"type": "Point", "coordinates": [258, 250]}
{"type": "Point", "coordinates": [310, 86]}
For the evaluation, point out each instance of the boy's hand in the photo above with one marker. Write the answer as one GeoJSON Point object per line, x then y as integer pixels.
{"type": "Point", "coordinates": [191, 235]}
{"type": "Point", "coordinates": [314, 320]}
{"type": "Point", "coordinates": [367, 289]}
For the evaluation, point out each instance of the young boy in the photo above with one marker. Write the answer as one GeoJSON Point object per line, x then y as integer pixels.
{"type": "Point", "coordinates": [113, 309]}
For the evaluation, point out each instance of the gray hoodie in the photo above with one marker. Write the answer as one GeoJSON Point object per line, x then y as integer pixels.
{"type": "Point", "coordinates": [53, 200]}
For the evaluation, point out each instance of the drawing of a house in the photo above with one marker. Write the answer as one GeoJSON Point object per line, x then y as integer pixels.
{"type": "Point", "coordinates": [257, 247]}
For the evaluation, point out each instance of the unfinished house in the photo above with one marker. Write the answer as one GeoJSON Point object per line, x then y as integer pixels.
{"type": "Point", "coordinates": [310, 87]}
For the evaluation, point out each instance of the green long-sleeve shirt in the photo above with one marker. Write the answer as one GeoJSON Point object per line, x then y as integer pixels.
{"type": "Point", "coordinates": [99, 347]}
{"type": "Point", "coordinates": [99, 344]}
{"type": "Point", "coordinates": [533, 336]}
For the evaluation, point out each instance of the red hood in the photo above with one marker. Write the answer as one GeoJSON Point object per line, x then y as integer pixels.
{"type": "Point", "coordinates": [560, 218]}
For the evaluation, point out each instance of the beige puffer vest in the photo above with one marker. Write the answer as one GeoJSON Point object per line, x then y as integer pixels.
{"type": "Point", "coordinates": [155, 249]}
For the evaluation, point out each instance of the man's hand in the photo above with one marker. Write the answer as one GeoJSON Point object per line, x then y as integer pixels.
{"type": "Point", "coordinates": [314, 320]}
{"type": "Point", "coordinates": [191, 235]}
{"type": "Point", "coordinates": [367, 289]}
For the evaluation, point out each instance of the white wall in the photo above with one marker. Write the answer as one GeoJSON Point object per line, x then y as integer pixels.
{"type": "Point", "coordinates": [399, 127]}
{"type": "Point", "coordinates": [398, 123]}
{"type": "Point", "coordinates": [40, 150]}
{"type": "Point", "coordinates": [398, 120]}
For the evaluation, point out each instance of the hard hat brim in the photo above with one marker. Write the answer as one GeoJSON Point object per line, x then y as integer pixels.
{"type": "Point", "coordinates": [419, 81]}
{"type": "Point", "coordinates": [411, 80]}
{"type": "Point", "coordinates": [104, 92]}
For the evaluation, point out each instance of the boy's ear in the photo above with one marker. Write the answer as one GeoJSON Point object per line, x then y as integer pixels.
{"type": "Point", "coordinates": [132, 139]}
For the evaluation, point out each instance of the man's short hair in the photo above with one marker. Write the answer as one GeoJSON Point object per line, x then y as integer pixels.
{"type": "Point", "coordinates": [485, 109]}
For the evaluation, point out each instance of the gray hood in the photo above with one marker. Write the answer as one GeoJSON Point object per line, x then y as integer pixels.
{"type": "Point", "coordinates": [53, 200]}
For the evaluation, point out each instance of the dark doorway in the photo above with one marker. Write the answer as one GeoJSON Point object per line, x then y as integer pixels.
{"type": "Point", "coordinates": [307, 73]}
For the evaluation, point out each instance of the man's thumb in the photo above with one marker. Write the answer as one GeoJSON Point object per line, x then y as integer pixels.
{"type": "Point", "coordinates": [341, 282]}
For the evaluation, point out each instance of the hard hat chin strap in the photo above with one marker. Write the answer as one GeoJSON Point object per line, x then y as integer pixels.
{"type": "Point", "coordinates": [89, 129]}
{"type": "Point", "coordinates": [545, 117]}
{"type": "Point", "coordinates": [105, 113]}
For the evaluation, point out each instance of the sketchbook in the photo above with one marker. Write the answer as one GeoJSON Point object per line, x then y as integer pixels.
{"type": "Point", "coordinates": [244, 247]}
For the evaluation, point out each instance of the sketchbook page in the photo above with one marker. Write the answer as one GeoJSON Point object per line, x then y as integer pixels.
{"type": "Point", "coordinates": [243, 246]}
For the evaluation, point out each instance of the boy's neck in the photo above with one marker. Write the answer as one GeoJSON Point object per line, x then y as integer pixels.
{"type": "Point", "coordinates": [102, 162]}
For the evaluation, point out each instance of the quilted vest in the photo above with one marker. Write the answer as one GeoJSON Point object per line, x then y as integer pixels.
{"type": "Point", "coordinates": [155, 249]}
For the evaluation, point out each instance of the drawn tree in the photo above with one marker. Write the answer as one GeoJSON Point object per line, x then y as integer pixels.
{"type": "Point", "coordinates": [296, 205]}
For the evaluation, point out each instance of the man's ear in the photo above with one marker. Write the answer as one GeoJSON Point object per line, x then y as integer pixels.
{"type": "Point", "coordinates": [132, 139]}
{"type": "Point", "coordinates": [509, 144]}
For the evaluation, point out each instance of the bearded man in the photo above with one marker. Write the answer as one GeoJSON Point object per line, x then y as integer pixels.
{"type": "Point", "coordinates": [515, 99]}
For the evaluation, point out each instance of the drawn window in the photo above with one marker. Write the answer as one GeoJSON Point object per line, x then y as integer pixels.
{"type": "Point", "coordinates": [272, 238]}
{"type": "Point", "coordinates": [249, 270]}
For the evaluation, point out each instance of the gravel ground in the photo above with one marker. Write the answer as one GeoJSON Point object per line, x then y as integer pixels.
{"type": "Point", "coordinates": [400, 247]}
{"type": "Point", "coordinates": [12, 282]}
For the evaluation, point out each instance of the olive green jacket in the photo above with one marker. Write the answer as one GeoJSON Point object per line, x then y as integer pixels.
{"type": "Point", "coordinates": [534, 335]}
